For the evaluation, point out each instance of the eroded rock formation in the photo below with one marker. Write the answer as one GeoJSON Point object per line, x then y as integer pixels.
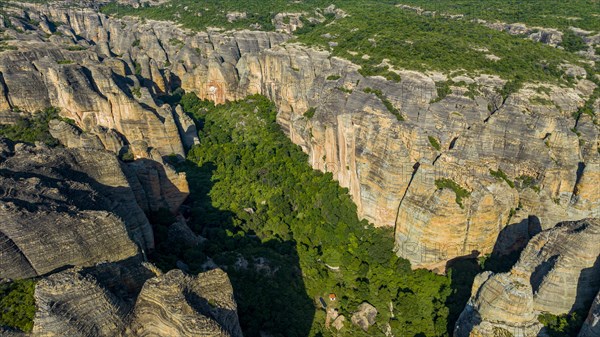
{"type": "Point", "coordinates": [174, 304]}
{"type": "Point", "coordinates": [64, 207]}
{"type": "Point", "coordinates": [557, 273]}
{"type": "Point", "coordinates": [130, 298]}
{"type": "Point", "coordinates": [391, 167]}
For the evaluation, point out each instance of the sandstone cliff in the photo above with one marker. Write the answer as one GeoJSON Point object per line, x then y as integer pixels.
{"type": "Point", "coordinates": [64, 207]}
{"type": "Point", "coordinates": [558, 273]}
{"type": "Point", "coordinates": [390, 166]}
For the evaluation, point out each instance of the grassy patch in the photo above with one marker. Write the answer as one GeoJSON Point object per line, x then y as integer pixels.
{"type": "Point", "coordinates": [528, 182]}
{"type": "Point", "coordinates": [458, 190]}
{"type": "Point", "coordinates": [344, 89]}
{"type": "Point", "coordinates": [310, 113]}
{"type": "Point", "coordinates": [500, 175]}
{"type": "Point", "coordinates": [434, 143]}
{"type": "Point", "coordinates": [443, 90]}
{"type": "Point", "coordinates": [388, 105]}
{"type": "Point", "coordinates": [136, 92]}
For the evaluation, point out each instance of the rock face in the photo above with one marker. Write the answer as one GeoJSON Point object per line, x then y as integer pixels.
{"type": "Point", "coordinates": [86, 302]}
{"type": "Point", "coordinates": [75, 207]}
{"type": "Point", "coordinates": [558, 272]}
{"type": "Point", "coordinates": [64, 207]}
{"type": "Point", "coordinates": [109, 104]}
{"type": "Point", "coordinates": [564, 264]}
{"type": "Point", "coordinates": [591, 326]}
{"type": "Point", "coordinates": [390, 167]}
{"type": "Point", "coordinates": [178, 305]}
{"type": "Point", "coordinates": [129, 299]}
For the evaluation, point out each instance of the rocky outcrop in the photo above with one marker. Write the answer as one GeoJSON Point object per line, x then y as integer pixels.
{"type": "Point", "coordinates": [178, 305]}
{"type": "Point", "coordinates": [364, 317]}
{"type": "Point", "coordinates": [557, 273]}
{"type": "Point", "coordinates": [503, 304]}
{"type": "Point", "coordinates": [109, 104]}
{"type": "Point", "coordinates": [564, 264]}
{"type": "Point", "coordinates": [390, 167]}
{"type": "Point", "coordinates": [64, 207]}
{"type": "Point", "coordinates": [81, 302]}
{"type": "Point", "coordinates": [132, 298]}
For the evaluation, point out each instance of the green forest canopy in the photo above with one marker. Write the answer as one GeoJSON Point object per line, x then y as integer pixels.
{"type": "Point", "coordinates": [255, 197]}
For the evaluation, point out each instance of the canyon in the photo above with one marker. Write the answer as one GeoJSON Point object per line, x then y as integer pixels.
{"type": "Point", "coordinates": [390, 167]}
{"type": "Point", "coordinates": [463, 174]}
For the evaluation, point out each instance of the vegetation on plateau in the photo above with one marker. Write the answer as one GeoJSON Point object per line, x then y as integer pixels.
{"type": "Point", "coordinates": [548, 13]}
{"type": "Point", "coordinates": [403, 39]}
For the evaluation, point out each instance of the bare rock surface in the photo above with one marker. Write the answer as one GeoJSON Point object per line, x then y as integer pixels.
{"type": "Point", "coordinates": [178, 305]}
{"type": "Point", "coordinates": [364, 317]}
{"type": "Point", "coordinates": [558, 273]}
{"type": "Point", "coordinates": [64, 207]}
{"type": "Point", "coordinates": [129, 298]}
{"type": "Point", "coordinates": [591, 326]}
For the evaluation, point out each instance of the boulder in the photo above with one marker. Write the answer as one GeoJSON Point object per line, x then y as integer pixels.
{"type": "Point", "coordinates": [364, 317]}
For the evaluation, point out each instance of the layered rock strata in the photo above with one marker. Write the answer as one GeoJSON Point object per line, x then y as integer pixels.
{"type": "Point", "coordinates": [64, 207]}
{"type": "Point", "coordinates": [557, 273]}
{"type": "Point", "coordinates": [390, 167]}
{"type": "Point", "coordinates": [130, 299]}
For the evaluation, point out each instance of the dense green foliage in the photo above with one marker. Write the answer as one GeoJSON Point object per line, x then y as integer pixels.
{"type": "Point", "coordinates": [567, 325]}
{"type": "Point", "coordinates": [404, 38]}
{"type": "Point", "coordinates": [548, 13]}
{"type": "Point", "coordinates": [256, 199]}
{"type": "Point", "coordinates": [34, 129]}
{"type": "Point", "coordinates": [17, 305]}
{"type": "Point", "coordinates": [443, 90]}
{"type": "Point", "coordinates": [310, 112]}
{"type": "Point", "coordinates": [456, 188]}
{"type": "Point", "coordinates": [572, 42]}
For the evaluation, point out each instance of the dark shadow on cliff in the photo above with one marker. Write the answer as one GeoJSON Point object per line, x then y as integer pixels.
{"type": "Point", "coordinates": [513, 239]}
{"type": "Point", "coordinates": [462, 270]}
{"type": "Point", "coordinates": [266, 276]}
{"type": "Point", "coordinates": [588, 286]}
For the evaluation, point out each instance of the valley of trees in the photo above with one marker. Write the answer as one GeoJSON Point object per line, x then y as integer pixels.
{"type": "Point", "coordinates": [287, 234]}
